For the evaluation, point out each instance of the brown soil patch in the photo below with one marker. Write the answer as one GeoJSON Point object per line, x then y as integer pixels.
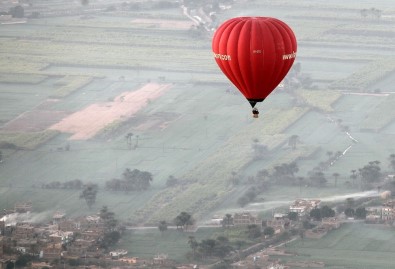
{"type": "Point", "coordinates": [168, 24]}
{"type": "Point", "coordinates": [34, 121]}
{"type": "Point", "coordinates": [86, 123]}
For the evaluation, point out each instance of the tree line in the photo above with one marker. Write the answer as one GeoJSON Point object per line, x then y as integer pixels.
{"type": "Point", "coordinates": [369, 176]}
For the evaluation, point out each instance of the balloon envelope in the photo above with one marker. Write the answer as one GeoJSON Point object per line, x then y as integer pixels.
{"type": "Point", "coordinates": [255, 53]}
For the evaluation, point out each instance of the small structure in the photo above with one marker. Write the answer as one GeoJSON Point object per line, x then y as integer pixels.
{"type": "Point", "coordinates": [246, 218]}
{"type": "Point", "coordinates": [116, 254]}
{"type": "Point", "coordinates": [58, 217]}
{"type": "Point", "coordinates": [23, 207]}
{"type": "Point", "coordinates": [303, 207]}
{"type": "Point", "coordinates": [162, 260]}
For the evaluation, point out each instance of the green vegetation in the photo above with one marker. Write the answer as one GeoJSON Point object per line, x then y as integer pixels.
{"type": "Point", "coordinates": [367, 76]}
{"type": "Point", "coordinates": [70, 84]}
{"type": "Point", "coordinates": [353, 246]}
{"type": "Point", "coordinates": [319, 99]}
{"type": "Point", "coordinates": [382, 115]}
{"type": "Point", "coordinates": [21, 78]}
{"type": "Point", "coordinates": [195, 131]}
{"type": "Point", "coordinates": [28, 141]}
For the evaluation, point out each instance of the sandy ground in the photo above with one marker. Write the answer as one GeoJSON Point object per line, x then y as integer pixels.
{"type": "Point", "coordinates": [86, 123]}
{"type": "Point", "coordinates": [168, 24]}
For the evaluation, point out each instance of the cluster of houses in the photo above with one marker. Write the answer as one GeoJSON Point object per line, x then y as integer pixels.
{"type": "Point", "coordinates": [55, 240]}
{"type": "Point", "coordinates": [385, 213]}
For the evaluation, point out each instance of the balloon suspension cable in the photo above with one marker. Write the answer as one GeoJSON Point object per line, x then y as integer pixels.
{"type": "Point", "coordinates": [252, 103]}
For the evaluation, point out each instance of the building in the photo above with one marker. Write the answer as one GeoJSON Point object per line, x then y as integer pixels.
{"type": "Point", "coordinates": [23, 207]}
{"type": "Point", "coordinates": [303, 207]}
{"type": "Point", "coordinates": [246, 218]}
{"type": "Point", "coordinates": [116, 254]}
{"type": "Point", "coordinates": [58, 217]}
{"type": "Point", "coordinates": [23, 231]}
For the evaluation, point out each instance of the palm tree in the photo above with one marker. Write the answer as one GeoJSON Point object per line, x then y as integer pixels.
{"type": "Point", "coordinates": [300, 179]}
{"type": "Point", "coordinates": [227, 221]}
{"type": "Point", "coordinates": [293, 140]}
{"type": "Point", "coordinates": [89, 194]}
{"type": "Point", "coordinates": [162, 226]}
{"type": "Point", "coordinates": [193, 244]}
{"type": "Point", "coordinates": [391, 159]}
{"type": "Point", "coordinates": [234, 178]}
{"type": "Point", "coordinates": [129, 140]}
{"type": "Point", "coordinates": [353, 176]}
{"type": "Point", "coordinates": [336, 176]}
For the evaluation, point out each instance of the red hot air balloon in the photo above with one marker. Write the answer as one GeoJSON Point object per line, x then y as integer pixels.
{"type": "Point", "coordinates": [255, 53]}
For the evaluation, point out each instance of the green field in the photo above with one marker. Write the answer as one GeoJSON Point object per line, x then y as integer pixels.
{"type": "Point", "coordinates": [195, 131]}
{"type": "Point", "coordinates": [353, 246]}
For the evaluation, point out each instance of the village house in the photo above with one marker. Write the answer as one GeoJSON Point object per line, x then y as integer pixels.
{"type": "Point", "coordinates": [326, 225]}
{"type": "Point", "coordinates": [303, 207]}
{"type": "Point", "coordinates": [116, 254]}
{"type": "Point", "coordinates": [279, 222]}
{"type": "Point", "coordinates": [246, 218]}
{"type": "Point", "coordinates": [69, 225]}
{"type": "Point", "coordinates": [58, 217]}
{"type": "Point", "coordinates": [383, 213]}
{"type": "Point", "coordinates": [23, 207]}
{"type": "Point", "coordinates": [51, 252]}
{"type": "Point", "coordinates": [162, 260]}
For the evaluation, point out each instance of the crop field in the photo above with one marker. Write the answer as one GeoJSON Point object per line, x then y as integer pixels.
{"type": "Point", "coordinates": [195, 130]}
{"type": "Point", "coordinates": [353, 246]}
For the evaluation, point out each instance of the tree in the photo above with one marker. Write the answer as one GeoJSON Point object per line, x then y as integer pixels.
{"type": "Point", "coordinates": [1, 156]}
{"type": "Point", "coordinates": [89, 194]}
{"type": "Point", "coordinates": [300, 180]}
{"type": "Point", "coordinates": [207, 246]}
{"type": "Point", "coordinates": [162, 226]}
{"type": "Point", "coordinates": [129, 140]}
{"type": "Point", "coordinates": [293, 141]}
{"type": "Point", "coordinates": [285, 173]}
{"type": "Point", "coordinates": [353, 176]}
{"type": "Point", "coordinates": [183, 220]}
{"type": "Point", "coordinates": [84, 2]}
{"type": "Point", "coordinates": [370, 173]}
{"type": "Point", "coordinates": [253, 231]}
{"type": "Point", "coordinates": [293, 216]}
{"type": "Point", "coordinates": [234, 178]}
{"type": "Point", "coordinates": [193, 244]}
{"type": "Point", "coordinates": [315, 213]}
{"type": "Point", "coordinates": [23, 260]}
{"type": "Point", "coordinates": [110, 239]}
{"type": "Point", "coordinates": [110, 223]}
{"type": "Point", "coordinates": [317, 178]}
{"type": "Point", "coordinates": [227, 221]}
{"type": "Point", "coordinates": [17, 12]}
{"type": "Point", "coordinates": [349, 212]}
{"type": "Point", "coordinates": [327, 212]}
{"type": "Point", "coordinates": [336, 176]}
{"type": "Point", "coordinates": [391, 160]}
{"type": "Point", "coordinates": [269, 231]}
{"type": "Point", "coordinates": [360, 213]}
